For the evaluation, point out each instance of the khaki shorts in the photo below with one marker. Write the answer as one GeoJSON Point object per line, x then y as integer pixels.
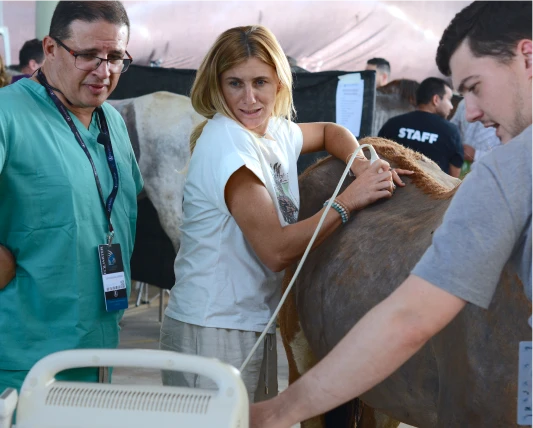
{"type": "Point", "coordinates": [230, 346]}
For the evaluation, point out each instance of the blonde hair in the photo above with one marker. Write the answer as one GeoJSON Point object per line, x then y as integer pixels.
{"type": "Point", "coordinates": [233, 47]}
{"type": "Point", "coordinates": [5, 78]}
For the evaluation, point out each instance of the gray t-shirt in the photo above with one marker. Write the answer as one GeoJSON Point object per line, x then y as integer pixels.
{"type": "Point", "coordinates": [487, 224]}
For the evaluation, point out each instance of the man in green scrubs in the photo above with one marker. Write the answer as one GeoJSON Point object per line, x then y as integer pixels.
{"type": "Point", "coordinates": [52, 215]}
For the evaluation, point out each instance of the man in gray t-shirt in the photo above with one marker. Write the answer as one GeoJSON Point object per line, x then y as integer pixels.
{"type": "Point", "coordinates": [496, 196]}
{"type": "Point", "coordinates": [488, 51]}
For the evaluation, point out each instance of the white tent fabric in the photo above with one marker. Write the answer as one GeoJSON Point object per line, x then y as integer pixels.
{"type": "Point", "coordinates": [321, 35]}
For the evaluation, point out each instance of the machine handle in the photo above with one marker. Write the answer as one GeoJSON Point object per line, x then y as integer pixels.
{"type": "Point", "coordinates": [44, 371]}
{"type": "Point", "coordinates": [373, 155]}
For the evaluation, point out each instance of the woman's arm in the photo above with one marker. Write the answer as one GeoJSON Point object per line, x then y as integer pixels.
{"type": "Point", "coordinates": [7, 267]}
{"type": "Point", "coordinates": [276, 246]}
{"type": "Point", "coordinates": [339, 142]}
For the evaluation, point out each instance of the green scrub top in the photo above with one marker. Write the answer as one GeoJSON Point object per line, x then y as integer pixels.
{"type": "Point", "coordinates": [52, 220]}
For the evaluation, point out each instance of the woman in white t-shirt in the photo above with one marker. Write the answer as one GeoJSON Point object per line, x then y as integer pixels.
{"type": "Point", "coordinates": [241, 201]}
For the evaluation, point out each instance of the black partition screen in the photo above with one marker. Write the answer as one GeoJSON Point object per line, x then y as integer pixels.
{"type": "Point", "coordinates": [315, 97]}
{"type": "Point", "coordinates": [141, 80]}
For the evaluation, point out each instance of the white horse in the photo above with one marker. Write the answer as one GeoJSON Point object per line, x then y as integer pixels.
{"type": "Point", "coordinates": [159, 126]}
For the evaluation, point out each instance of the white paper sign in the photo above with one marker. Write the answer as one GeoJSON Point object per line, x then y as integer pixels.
{"type": "Point", "coordinates": [349, 103]}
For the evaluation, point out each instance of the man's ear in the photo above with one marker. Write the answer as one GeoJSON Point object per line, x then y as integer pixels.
{"type": "Point", "coordinates": [436, 100]}
{"type": "Point", "coordinates": [49, 47]}
{"type": "Point", "coordinates": [33, 65]}
{"type": "Point", "coordinates": [525, 49]}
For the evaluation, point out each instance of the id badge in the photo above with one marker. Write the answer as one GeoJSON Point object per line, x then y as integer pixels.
{"type": "Point", "coordinates": [116, 296]}
{"type": "Point", "coordinates": [525, 384]}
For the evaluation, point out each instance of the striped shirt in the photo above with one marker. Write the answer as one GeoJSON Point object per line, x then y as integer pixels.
{"type": "Point", "coordinates": [482, 139]}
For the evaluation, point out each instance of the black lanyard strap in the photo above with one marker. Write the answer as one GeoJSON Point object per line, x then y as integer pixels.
{"type": "Point", "coordinates": [103, 138]}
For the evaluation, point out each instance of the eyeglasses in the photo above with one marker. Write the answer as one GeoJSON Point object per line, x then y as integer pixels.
{"type": "Point", "coordinates": [88, 62]}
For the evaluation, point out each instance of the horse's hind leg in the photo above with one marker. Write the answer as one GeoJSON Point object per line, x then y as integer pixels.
{"type": "Point", "coordinates": [371, 418]}
{"type": "Point", "coordinates": [301, 359]}
{"type": "Point", "coordinates": [344, 416]}
{"type": "Point", "coordinates": [299, 354]}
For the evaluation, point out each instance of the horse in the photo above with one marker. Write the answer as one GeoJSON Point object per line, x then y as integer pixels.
{"type": "Point", "coordinates": [395, 98]}
{"type": "Point", "coordinates": [159, 126]}
{"type": "Point", "coordinates": [466, 375]}
{"type": "Point", "coordinates": [405, 87]}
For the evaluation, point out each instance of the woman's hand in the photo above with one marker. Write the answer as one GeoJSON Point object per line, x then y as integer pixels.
{"type": "Point", "coordinates": [375, 182]}
{"type": "Point", "coordinates": [7, 267]}
{"type": "Point", "coordinates": [359, 166]}
{"type": "Point", "coordinates": [396, 172]}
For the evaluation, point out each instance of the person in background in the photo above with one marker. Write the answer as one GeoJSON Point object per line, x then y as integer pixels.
{"type": "Point", "coordinates": [426, 129]}
{"type": "Point", "coordinates": [31, 57]}
{"type": "Point", "coordinates": [382, 68]}
{"type": "Point", "coordinates": [477, 139]}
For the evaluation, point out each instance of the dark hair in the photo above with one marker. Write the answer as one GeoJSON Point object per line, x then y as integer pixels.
{"type": "Point", "coordinates": [429, 88]}
{"type": "Point", "coordinates": [87, 11]}
{"type": "Point", "coordinates": [492, 28]}
{"type": "Point", "coordinates": [381, 64]}
{"type": "Point", "coordinates": [32, 49]}
{"type": "Point", "coordinates": [406, 88]}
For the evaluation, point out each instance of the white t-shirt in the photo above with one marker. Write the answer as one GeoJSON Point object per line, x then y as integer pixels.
{"type": "Point", "coordinates": [474, 133]}
{"type": "Point", "coordinates": [220, 282]}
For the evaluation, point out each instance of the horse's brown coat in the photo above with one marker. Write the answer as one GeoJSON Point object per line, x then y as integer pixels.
{"type": "Point", "coordinates": [465, 375]}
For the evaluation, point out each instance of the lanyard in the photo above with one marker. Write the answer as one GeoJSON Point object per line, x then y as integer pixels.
{"type": "Point", "coordinates": [103, 139]}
